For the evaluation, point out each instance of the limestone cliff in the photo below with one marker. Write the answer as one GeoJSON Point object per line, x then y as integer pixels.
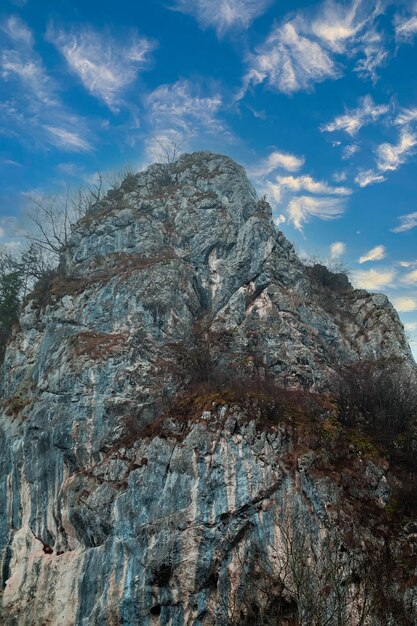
{"type": "Point", "coordinates": [104, 520]}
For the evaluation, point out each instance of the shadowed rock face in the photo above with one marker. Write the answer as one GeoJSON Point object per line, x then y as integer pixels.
{"type": "Point", "coordinates": [99, 529]}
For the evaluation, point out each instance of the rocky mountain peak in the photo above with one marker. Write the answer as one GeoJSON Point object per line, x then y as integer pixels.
{"type": "Point", "coordinates": [201, 217]}
{"type": "Point", "coordinates": [202, 209]}
{"type": "Point", "coordinates": [182, 261]}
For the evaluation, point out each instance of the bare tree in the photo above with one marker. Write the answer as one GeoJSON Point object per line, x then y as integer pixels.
{"type": "Point", "coordinates": [303, 576]}
{"type": "Point", "coordinates": [51, 220]}
{"type": "Point", "coordinates": [168, 150]}
{"type": "Point", "coordinates": [334, 264]}
{"type": "Point", "coordinates": [86, 200]}
{"type": "Point", "coordinates": [53, 217]}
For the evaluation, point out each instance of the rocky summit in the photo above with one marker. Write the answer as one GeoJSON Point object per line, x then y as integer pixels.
{"type": "Point", "coordinates": [131, 495]}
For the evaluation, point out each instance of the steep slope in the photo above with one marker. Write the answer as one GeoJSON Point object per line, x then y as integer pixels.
{"type": "Point", "coordinates": [102, 522]}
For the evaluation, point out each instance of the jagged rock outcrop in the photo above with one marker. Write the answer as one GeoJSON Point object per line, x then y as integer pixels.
{"type": "Point", "coordinates": [103, 522]}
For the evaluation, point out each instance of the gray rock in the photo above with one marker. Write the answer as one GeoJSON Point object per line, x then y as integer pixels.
{"type": "Point", "coordinates": [102, 521]}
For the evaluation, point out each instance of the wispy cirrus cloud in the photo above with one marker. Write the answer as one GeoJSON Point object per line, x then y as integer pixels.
{"type": "Point", "coordinates": [182, 113]}
{"type": "Point", "coordinates": [302, 208]}
{"type": "Point", "coordinates": [34, 104]}
{"type": "Point", "coordinates": [288, 192]}
{"type": "Point", "coordinates": [223, 15]}
{"type": "Point", "coordinates": [406, 24]}
{"type": "Point", "coordinates": [373, 280]}
{"type": "Point", "coordinates": [368, 177]}
{"type": "Point", "coordinates": [307, 183]}
{"type": "Point", "coordinates": [391, 156]}
{"type": "Point", "coordinates": [19, 63]}
{"type": "Point", "coordinates": [307, 49]}
{"type": "Point", "coordinates": [104, 65]}
{"type": "Point", "coordinates": [277, 160]}
{"type": "Point", "coordinates": [376, 254]}
{"type": "Point", "coordinates": [289, 61]}
{"type": "Point", "coordinates": [349, 151]}
{"type": "Point", "coordinates": [185, 106]}
{"type": "Point", "coordinates": [406, 117]}
{"type": "Point", "coordinates": [287, 186]}
{"type": "Point", "coordinates": [353, 120]}
{"type": "Point", "coordinates": [407, 222]}
{"type": "Point", "coordinates": [405, 304]}
{"type": "Point", "coordinates": [374, 55]}
{"type": "Point", "coordinates": [17, 30]}
{"type": "Point", "coordinates": [70, 140]}
{"type": "Point", "coordinates": [410, 278]}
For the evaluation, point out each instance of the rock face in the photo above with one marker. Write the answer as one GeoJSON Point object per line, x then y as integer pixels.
{"type": "Point", "coordinates": [103, 523]}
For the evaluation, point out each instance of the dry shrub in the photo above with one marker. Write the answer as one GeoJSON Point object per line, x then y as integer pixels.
{"type": "Point", "coordinates": [98, 346]}
{"type": "Point", "coordinates": [379, 397]}
{"type": "Point", "coordinates": [15, 405]}
{"type": "Point", "coordinates": [333, 277]}
{"type": "Point", "coordinates": [208, 374]}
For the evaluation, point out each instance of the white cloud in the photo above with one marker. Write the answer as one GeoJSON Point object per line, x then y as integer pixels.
{"type": "Point", "coordinates": [277, 160]}
{"type": "Point", "coordinates": [35, 105]}
{"type": "Point", "coordinates": [374, 55]}
{"type": "Point", "coordinates": [289, 61]}
{"type": "Point", "coordinates": [182, 105]}
{"type": "Point", "coordinates": [353, 120]}
{"type": "Point", "coordinates": [272, 190]}
{"type": "Point", "coordinates": [19, 61]}
{"type": "Point", "coordinates": [296, 184]}
{"type": "Point", "coordinates": [17, 30]}
{"type": "Point", "coordinates": [302, 50]}
{"type": "Point", "coordinates": [349, 151]}
{"type": "Point", "coordinates": [410, 277]}
{"type": "Point", "coordinates": [300, 209]}
{"type": "Point", "coordinates": [376, 254]}
{"type": "Point", "coordinates": [11, 162]}
{"type": "Point", "coordinates": [391, 156]}
{"type": "Point", "coordinates": [106, 67]}
{"type": "Point", "coordinates": [70, 140]}
{"type": "Point", "coordinates": [337, 248]}
{"type": "Point", "coordinates": [350, 29]}
{"type": "Point", "coordinates": [410, 326]}
{"type": "Point", "coordinates": [368, 177]}
{"type": "Point", "coordinates": [406, 116]}
{"type": "Point", "coordinates": [406, 25]}
{"type": "Point", "coordinates": [405, 305]}
{"type": "Point", "coordinates": [223, 15]}
{"type": "Point", "coordinates": [339, 177]}
{"type": "Point", "coordinates": [338, 25]}
{"type": "Point", "coordinates": [307, 183]}
{"type": "Point", "coordinates": [372, 279]}
{"type": "Point", "coordinates": [182, 113]}
{"type": "Point", "coordinates": [280, 219]}
{"type": "Point", "coordinates": [407, 222]}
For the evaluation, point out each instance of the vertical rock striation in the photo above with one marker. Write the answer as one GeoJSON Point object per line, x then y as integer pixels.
{"type": "Point", "coordinates": [104, 522]}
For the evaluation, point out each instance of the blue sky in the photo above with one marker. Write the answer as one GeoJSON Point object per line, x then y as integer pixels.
{"type": "Point", "coordinates": [317, 99]}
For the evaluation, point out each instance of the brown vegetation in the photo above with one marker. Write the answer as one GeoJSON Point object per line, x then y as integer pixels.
{"type": "Point", "coordinates": [98, 346]}
{"type": "Point", "coordinates": [56, 285]}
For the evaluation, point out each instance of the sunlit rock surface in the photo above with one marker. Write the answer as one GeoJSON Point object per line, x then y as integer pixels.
{"type": "Point", "coordinates": [102, 523]}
